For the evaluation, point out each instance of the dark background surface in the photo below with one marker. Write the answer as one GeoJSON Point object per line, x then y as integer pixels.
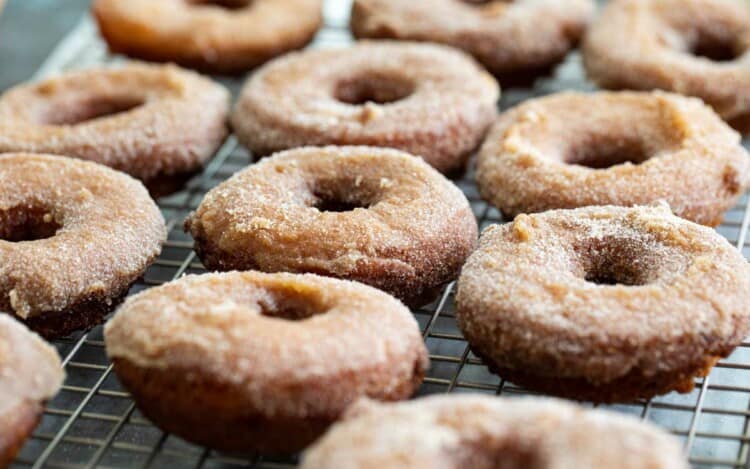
{"type": "Point", "coordinates": [29, 30]}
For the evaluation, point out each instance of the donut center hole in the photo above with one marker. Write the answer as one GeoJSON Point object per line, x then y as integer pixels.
{"type": "Point", "coordinates": [224, 4]}
{"type": "Point", "coordinates": [334, 203]}
{"type": "Point", "coordinates": [292, 304]}
{"type": "Point", "coordinates": [607, 154]}
{"type": "Point", "coordinates": [90, 109]}
{"type": "Point", "coordinates": [716, 50]}
{"type": "Point", "coordinates": [373, 88]}
{"type": "Point", "coordinates": [27, 224]}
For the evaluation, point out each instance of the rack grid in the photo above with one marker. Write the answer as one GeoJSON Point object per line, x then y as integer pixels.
{"type": "Point", "coordinates": [93, 422]}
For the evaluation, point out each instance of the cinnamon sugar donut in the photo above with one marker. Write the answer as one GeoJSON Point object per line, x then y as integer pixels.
{"type": "Point", "coordinates": [604, 303]}
{"type": "Point", "coordinates": [516, 40]}
{"type": "Point", "coordinates": [254, 362]}
{"type": "Point", "coordinates": [74, 236]}
{"type": "Point", "coordinates": [570, 150]}
{"type": "Point", "coordinates": [217, 36]}
{"type": "Point", "coordinates": [692, 47]}
{"type": "Point", "coordinates": [483, 432]}
{"type": "Point", "coordinates": [378, 216]}
{"type": "Point", "coordinates": [428, 100]}
{"type": "Point", "coordinates": [30, 374]}
{"type": "Point", "coordinates": [149, 121]}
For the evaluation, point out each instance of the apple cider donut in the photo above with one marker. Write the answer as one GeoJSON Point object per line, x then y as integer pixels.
{"type": "Point", "coordinates": [428, 100]}
{"type": "Point", "coordinates": [692, 47]}
{"type": "Point", "coordinates": [217, 36]}
{"type": "Point", "coordinates": [516, 41]}
{"type": "Point", "coordinates": [74, 236]}
{"type": "Point", "coordinates": [255, 362]}
{"type": "Point", "coordinates": [150, 121]}
{"type": "Point", "coordinates": [604, 303]}
{"type": "Point", "coordinates": [30, 374]}
{"type": "Point", "coordinates": [378, 216]}
{"type": "Point", "coordinates": [476, 431]}
{"type": "Point", "coordinates": [571, 150]}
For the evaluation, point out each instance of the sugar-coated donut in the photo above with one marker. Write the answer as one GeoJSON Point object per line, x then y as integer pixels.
{"type": "Point", "coordinates": [571, 150]}
{"type": "Point", "coordinates": [692, 47]}
{"type": "Point", "coordinates": [74, 235]}
{"type": "Point", "coordinates": [604, 303]}
{"type": "Point", "coordinates": [30, 374]}
{"type": "Point", "coordinates": [484, 432]}
{"type": "Point", "coordinates": [516, 40]}
{"type": "Point", "coordinates": [378, 216]}
{"type": "Point", "coordinates": [150, 121]}
{"type": "Point", "coordinates": [254, 362]}
{"type": "Point", "coordinates": [428, 100]}
{"type": "Point", "coordinates": [217, 36]}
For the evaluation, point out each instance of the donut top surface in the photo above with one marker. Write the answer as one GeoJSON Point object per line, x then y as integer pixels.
{"type": "Point", "coordinates": [30, 369]}
{"type": "Point", "coordinates": [476, 431]}
{"type": "Point", "coordinates": [622, 148]}
{"type": "Point", "coordinates": [693, 47]}
{"type": "Point", "coordinates": [253, 329]}
{"type": "Point", "coordinates": [70, 228]}
{"type": "Point", "coordinates": [141, 119]}
{"type": "Point", "coordinates": [601, 291]}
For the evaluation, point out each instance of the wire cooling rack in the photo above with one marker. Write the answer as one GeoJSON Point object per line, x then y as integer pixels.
{"type": "Point", "coordinates": [93, 422]}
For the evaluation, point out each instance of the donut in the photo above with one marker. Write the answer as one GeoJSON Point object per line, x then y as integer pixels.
{"type": "Point", "coordinates": [377, 216]}
{"type": "Point", "coordinates": [255, 362]}
{"type": "Point", "coordinates": [571, 150]}
{"type": "Point", "coordinates": [483, 432]}
{"type": "Point", "coordinates": [216, 36]}
{"type": "Point", "coordinates": [516, 41]}
{"type": "Point", "coordinates": [30, 374]}
{"type": "Point", "coordinates": [74, 235]}
{"type": "Point", "coordinates": [692, 47]}
{"type": "Point", "coordinates": [427, 100]}
{"type": "Point", "coordinates": [605, 304]}
{"type": "Point", "coordinates": [150, 121]}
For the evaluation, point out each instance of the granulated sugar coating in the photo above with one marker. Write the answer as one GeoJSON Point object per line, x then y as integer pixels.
{"type": "Point", "coordinates": [216, 36]}
{"type": "Point", "coordinates": [149, 121]}
{"type": "Point", "coordinates": [379, 216]}
{"type": "Point", "coordinates": [692, 47]}
{"type": "Point", "coordinates": [604, 303]}
{"type": "Point", "coordinates": [74, 235]}
{"type": "Point", "coordinates": [431, 101]}
{"type": "Point", "coordinates": [572, 150]}
{"type": "Point", "coordinates": [30, 374]}
{"type": "Point", "coordinates": [476, 431]}
{"type": "Point", "coordinates": [247, 361]}
{"type": "Point", "coordinates": [515, 40]}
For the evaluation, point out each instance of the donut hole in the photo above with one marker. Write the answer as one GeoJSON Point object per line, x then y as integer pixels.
{"type": "Point", "coordinates": [291, 303]}
{"type": "Point", "coordinates": [27, 223]}
{"type": "Point", "coordinates": [327, 203]}
{"type": "Point", "coordinates": [373, 88]}
{"type": "Point", "coordinates": [715, 49]}
{"type": "Point", "coordinates": [224, 4]}
{"type": "Point", "coordinates": [605, 154]}
{"type": "Point", "coordinates": [343, 194]}
{"type": "Point", "coordinates": [89, 109]}
{"type": "Point", "coordinates": [628, 260]}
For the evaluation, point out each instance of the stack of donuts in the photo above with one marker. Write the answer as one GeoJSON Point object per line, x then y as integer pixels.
{"type": "Point", "coordinates": [608, 285]}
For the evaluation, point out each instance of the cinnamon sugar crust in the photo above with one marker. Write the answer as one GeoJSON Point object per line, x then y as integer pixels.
{"type": "Point", "coordinates": [73, 236]}
{"type": "Point", "coordinates": [516, 41]}
{"type": "Point", "coordinates": [247, 361]}
{"type": "Point", "coordinates": [378, 216]}
{"type": "Point", "coordinates": [428, 100]}
{"type": "Point", "coordinates": [483, 432]}
{"type": "Point", "coordinates": [692, 47]}
{"type": "Point", "coordinates": [604, 303]}
{"type": "Point", "coordinates": [150, 121]}
{"type": "Point", "coordinates": [572, 150]}
{"type": "Point", "coordinates": [220, 36]}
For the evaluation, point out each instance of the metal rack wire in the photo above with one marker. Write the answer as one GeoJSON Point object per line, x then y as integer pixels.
{"type": "Point", "coordinates": [93, 422]}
